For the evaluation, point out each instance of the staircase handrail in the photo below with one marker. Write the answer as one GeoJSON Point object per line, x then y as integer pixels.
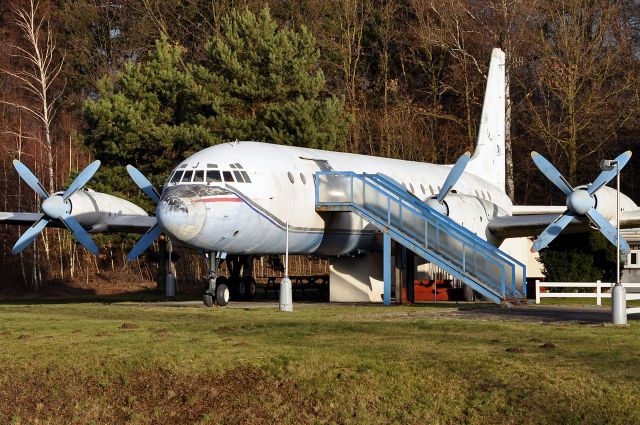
{"type": "Point", "coordinates": [392, 186]}
{"type": "Point", "coordinates": [391, 189]}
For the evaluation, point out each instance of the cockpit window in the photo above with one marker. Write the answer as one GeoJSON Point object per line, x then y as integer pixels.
{"type": "Point", "coordinates": [227, 176]}
{"type": "Point", "coordinates": [212, 165]}
{"type": "Point", "coordinates": [176, 176]}
{"type": "Point", "coordinates": [186, 177]}
{"type": "Point", "coordinates": [238, 166]}
{"type": "Point", "coordinates": [246, 177]}
{"type": "Point", "coordinates": [183, 166]}
{"type": "Point", "coordinates": [232, 165]}
{"type": "Point", "coordinates": [198, 177]}
{"type": "Point", "coordinates": [213, 176]}
{"type": "Point", "coordinates": [239, 178]}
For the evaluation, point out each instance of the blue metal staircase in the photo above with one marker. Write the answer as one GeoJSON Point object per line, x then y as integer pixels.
{"type": "Point", "coordinates": [435, 237]}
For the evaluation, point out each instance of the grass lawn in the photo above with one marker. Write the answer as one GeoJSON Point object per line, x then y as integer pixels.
{"type": "Point", "coordinates": [95, 363]}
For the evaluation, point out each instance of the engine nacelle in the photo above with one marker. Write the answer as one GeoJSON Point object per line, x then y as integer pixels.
{"type": "Point", "coordinates": [474, 214]}
{"type": "Point", "coordinates": [94, 210]}
{"type": "Point", "coordinates": [606, 203]}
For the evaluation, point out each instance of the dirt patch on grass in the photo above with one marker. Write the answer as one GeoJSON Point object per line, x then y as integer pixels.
{"type": "Point", "coordinates": [516, 350]}
{"type": "Point", "coordinates": [129, 326]}
{"type": "Point", "coordinates": [245, 395]}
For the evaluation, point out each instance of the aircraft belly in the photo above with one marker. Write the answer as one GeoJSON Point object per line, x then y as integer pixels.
{"type": "Point", "coordinates": [346, 233]}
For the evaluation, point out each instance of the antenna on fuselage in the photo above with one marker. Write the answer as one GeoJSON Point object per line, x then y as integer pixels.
{"type": "Point", "coordinates": [286, 299]}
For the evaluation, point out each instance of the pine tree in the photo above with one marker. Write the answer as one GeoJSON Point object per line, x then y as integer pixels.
{"type": "Point", "coordinates": [150, 115]}
{"type": "Point", "coordinates": [582, 257]}
{"type": "Point", "coordinates": [269, 85]}
{"type": "Point", "coordinates": [259, 82]}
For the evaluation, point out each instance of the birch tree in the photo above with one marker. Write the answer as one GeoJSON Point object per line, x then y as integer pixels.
{"type": "Point", "coordinates": [39, 71]}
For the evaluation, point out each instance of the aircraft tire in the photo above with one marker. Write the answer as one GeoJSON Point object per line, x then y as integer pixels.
{"type": "Point", "coordinates": [246, 288]}
{"type": "Point", "coordinates": [222, 295]}
{"type": "Point", "coordinates": [241, 289]}
{"type": "Point", "coordinates": [250, 288]}
{"type": "Point", "coordinates": [207, 299]}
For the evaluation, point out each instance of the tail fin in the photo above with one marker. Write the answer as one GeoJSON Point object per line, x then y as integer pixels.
{"type": "Point", "coordinates": [488, 160]}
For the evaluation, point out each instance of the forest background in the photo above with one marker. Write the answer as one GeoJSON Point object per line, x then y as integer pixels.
{"type": "Point", "coordinates": [407, 78]}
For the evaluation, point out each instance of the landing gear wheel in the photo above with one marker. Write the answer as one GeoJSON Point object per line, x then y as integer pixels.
{"type": "Point", "coordinates": [246, 288]}
{"type": "Point", "coordinates": [207, 299]}
{"type": "Point", "coordinates": [222, 295]}
{"type": "Point", "coordinates": [249, 284]}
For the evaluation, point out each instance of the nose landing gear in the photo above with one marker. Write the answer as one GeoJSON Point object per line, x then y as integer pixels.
{"type": "Point", "coordinates": [217, 291]}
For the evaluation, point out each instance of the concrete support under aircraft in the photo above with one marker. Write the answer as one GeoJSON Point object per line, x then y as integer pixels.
{"type": "Point", "coordinates": [356, 279]}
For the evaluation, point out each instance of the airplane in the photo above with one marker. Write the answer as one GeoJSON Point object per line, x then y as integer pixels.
{"type": "Point", "coordinates": [239, 198]}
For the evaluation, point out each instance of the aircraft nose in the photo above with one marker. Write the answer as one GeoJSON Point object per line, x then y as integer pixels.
{"type": "Point", "coordinates": [180, 217]}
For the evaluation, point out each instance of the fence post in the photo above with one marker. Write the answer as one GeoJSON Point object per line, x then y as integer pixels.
{"type": "Point", "coordinates": [598, 293]}
{"type": "Point", "coordinates": [537, 291]}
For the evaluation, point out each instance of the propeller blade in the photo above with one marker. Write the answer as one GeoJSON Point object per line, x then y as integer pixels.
{"type": "Point", "coordinates": [144, 242]}
{"type": "Point", "coordinates": [79, 233]}
{"type": "Point", "coordinates": [29, 235]}
{"type": "Point", "coordinates": [81, 180]}
{"type": "Point", "coordinates": [606, 176]}
{"type": "Point", "coordinates": [551, 173]}
{"type": "Point", "coordinates": [552, 230]}
{"type": "Point", "coordinates": [30, 179]}
{"type": "Point", "coordinates": [454, 175]}
{"type": "Point", "coordinates": [143, 183]}
{"type": "Point", "coordinates": [608, 230]}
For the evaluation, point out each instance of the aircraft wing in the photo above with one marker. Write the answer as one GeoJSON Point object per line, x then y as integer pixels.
{"type": "Point", "coordinates": [523, 225]}
{"type": "Point", "coordinates": [116, 223]}
{"type": "Point", "coordinates": [20, 218]}
{"type": "Point", "coordinates": [131, 223]}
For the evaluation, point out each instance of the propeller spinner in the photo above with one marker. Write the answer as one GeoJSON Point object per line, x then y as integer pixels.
{"type": "Point", "coordinates": [55, 207]}
{"type": "Point", "coordinates": [580, 202]}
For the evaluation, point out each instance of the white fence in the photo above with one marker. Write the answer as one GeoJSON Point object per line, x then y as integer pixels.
{"type": "Point", "coordinates": [602, 291]}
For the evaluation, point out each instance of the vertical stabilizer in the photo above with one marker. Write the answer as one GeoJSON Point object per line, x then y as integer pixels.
{"type": "Point", "coordinates": [488, 160]}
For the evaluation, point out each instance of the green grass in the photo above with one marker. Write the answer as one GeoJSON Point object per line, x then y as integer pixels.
{"type": "Point", "coordinates": [76, 363]}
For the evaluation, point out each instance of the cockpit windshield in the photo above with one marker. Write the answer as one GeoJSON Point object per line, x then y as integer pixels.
{"type": "Point", "coordinates": [209, 174]}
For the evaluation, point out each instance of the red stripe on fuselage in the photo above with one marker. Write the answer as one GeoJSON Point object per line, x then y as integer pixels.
{"type": "Point", "coordinates": [234, 199]}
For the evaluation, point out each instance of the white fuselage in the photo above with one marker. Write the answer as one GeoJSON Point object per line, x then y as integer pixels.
{"type": "Point", "coordinates": [243, 217]}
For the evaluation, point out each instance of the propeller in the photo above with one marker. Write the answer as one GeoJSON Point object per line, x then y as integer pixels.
{"type": "Point", "coordinates": [580, 202]}
{"type": "Point", "coordinates": [437, 202]}
{"type": "Point", "coordinates": [152, 234]}
{"type": "Point", "coordinates": [55, 207]}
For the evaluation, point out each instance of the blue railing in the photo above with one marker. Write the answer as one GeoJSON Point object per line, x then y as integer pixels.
{"type": "Point", "coordinates": [390, 183]}
{"type": "Point", "coordinates": [435, 237]}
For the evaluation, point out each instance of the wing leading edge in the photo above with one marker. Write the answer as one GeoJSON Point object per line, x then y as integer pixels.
{"type": "Point", "coordinates": [517, 226]}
